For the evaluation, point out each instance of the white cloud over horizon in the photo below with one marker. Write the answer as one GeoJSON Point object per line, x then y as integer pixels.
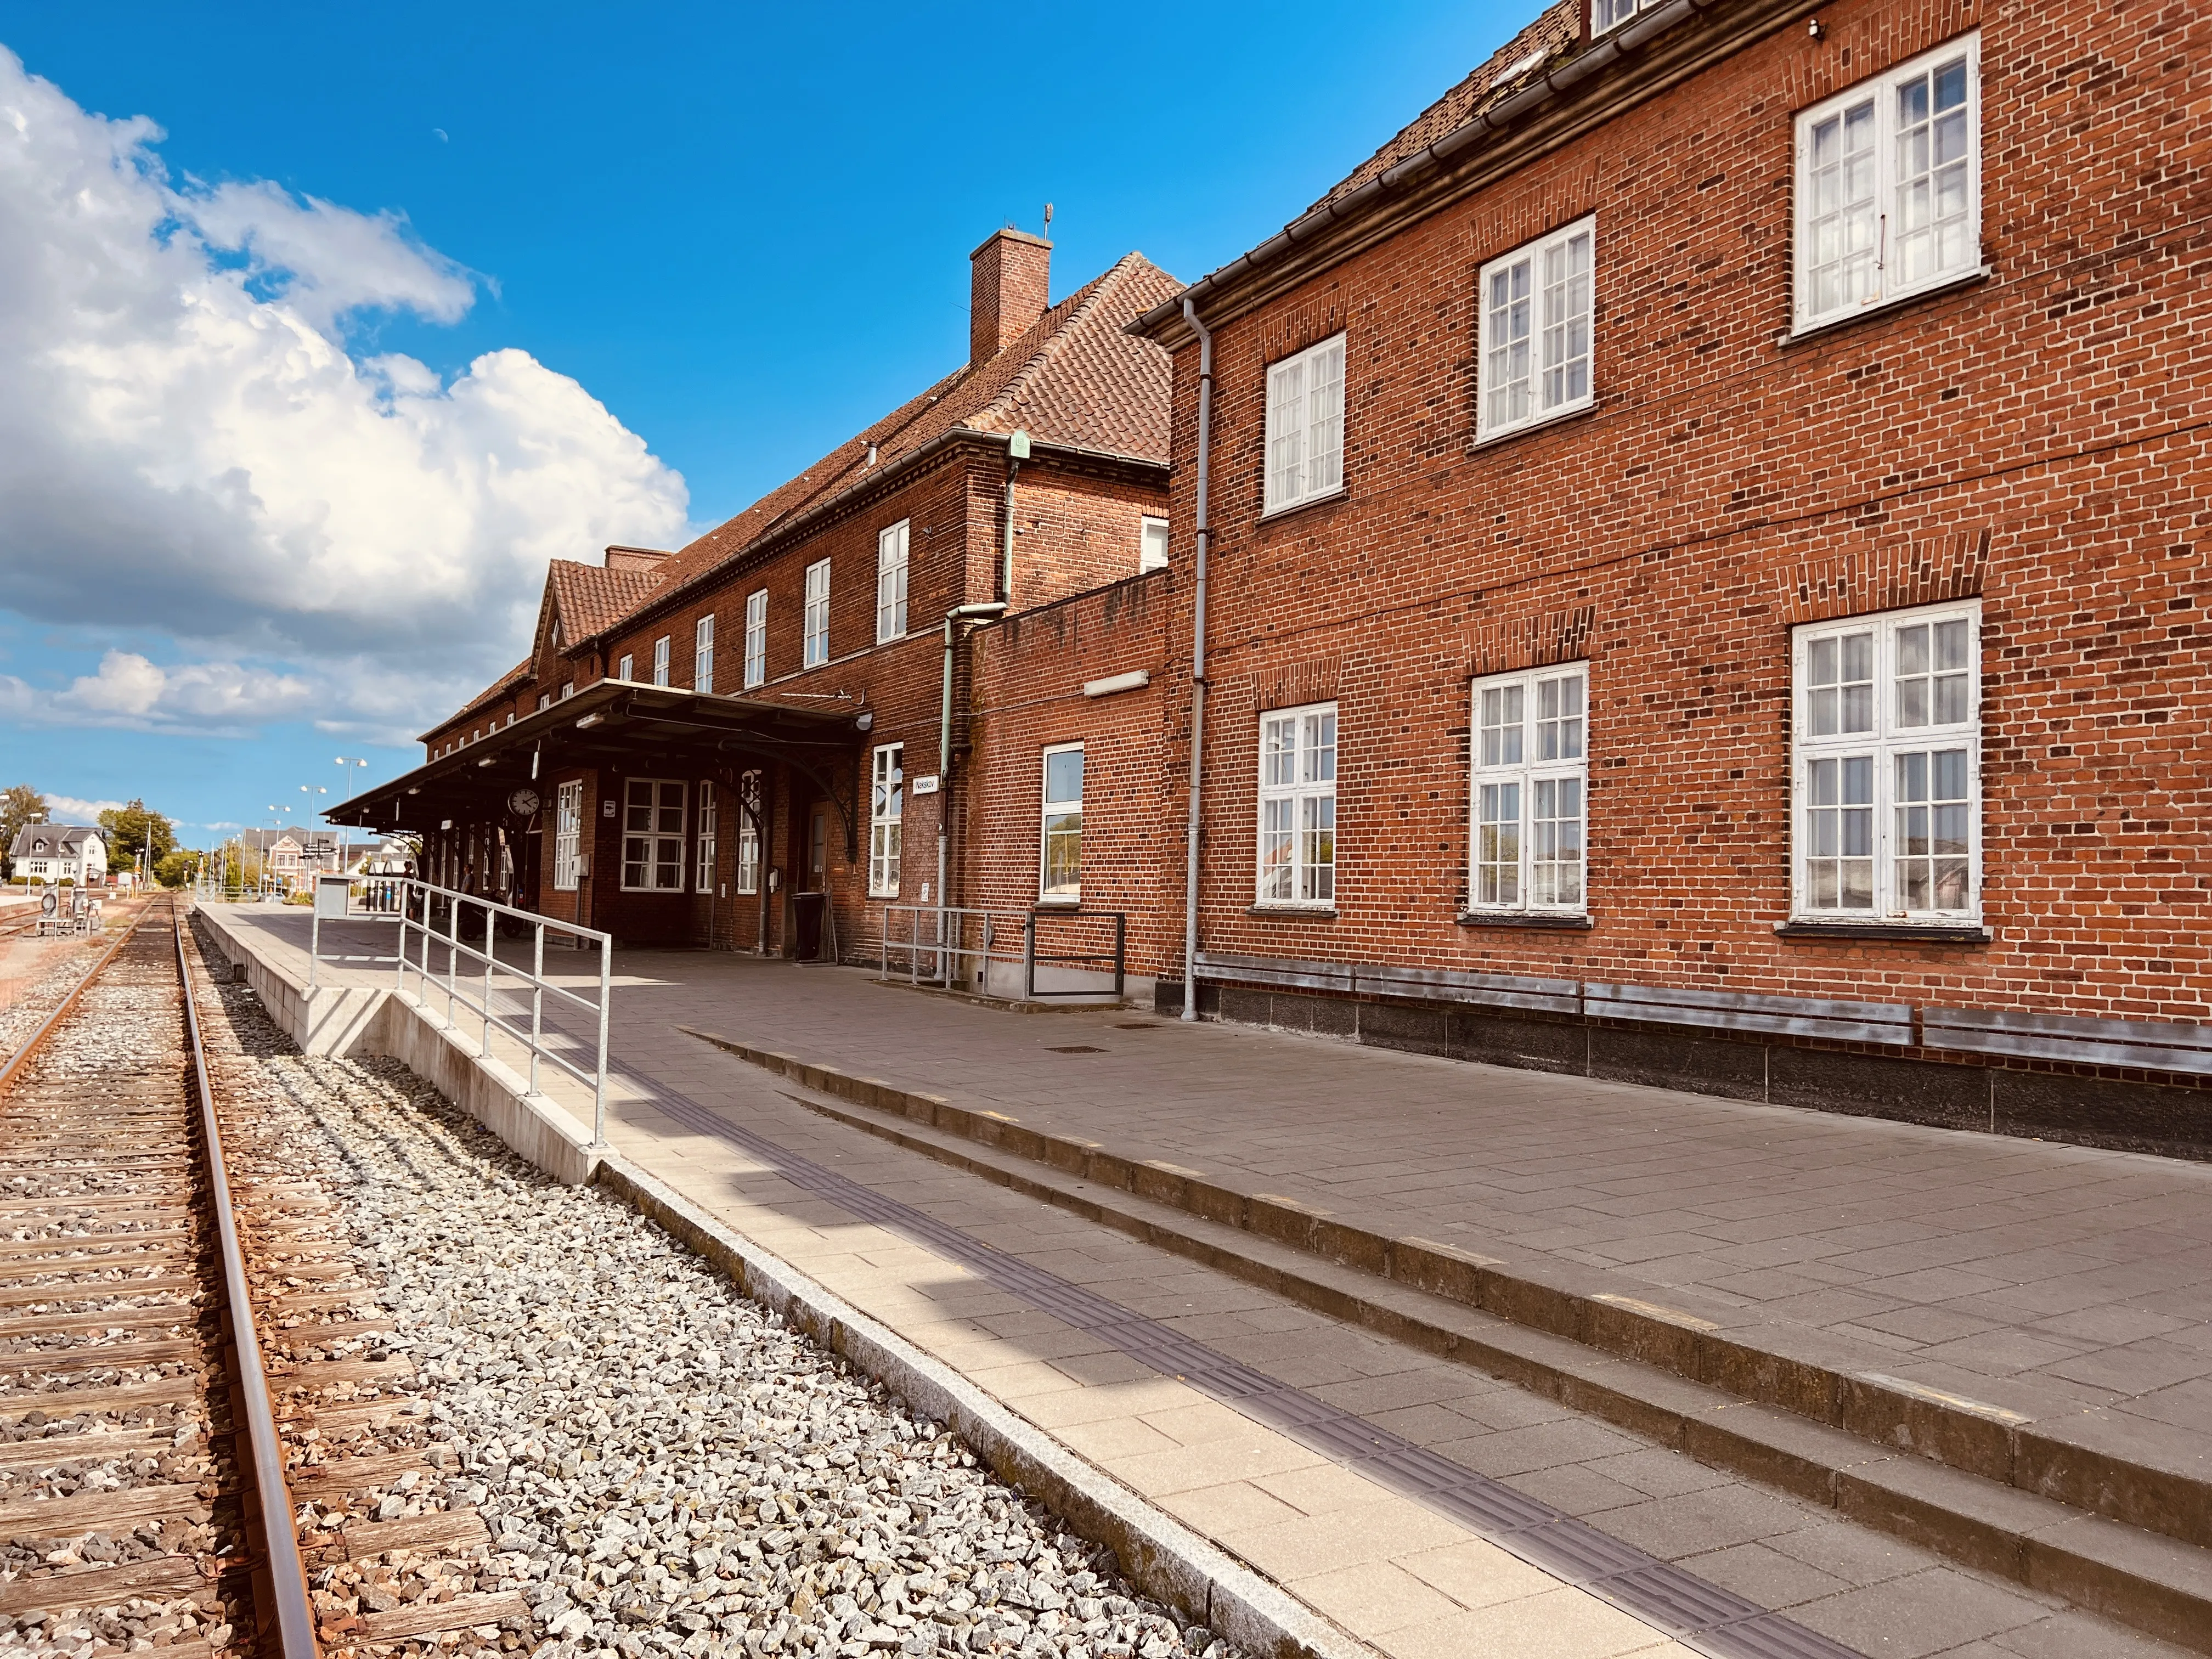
{"type": "Point", "coordinates": [188, 449]}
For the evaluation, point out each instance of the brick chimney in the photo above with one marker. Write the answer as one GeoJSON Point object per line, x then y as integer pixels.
{"type": "Point", "coordinates": [1010, 286]}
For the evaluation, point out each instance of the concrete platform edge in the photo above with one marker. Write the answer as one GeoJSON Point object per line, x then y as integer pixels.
{"type": "Point", "coordinates": [1159, 1555]}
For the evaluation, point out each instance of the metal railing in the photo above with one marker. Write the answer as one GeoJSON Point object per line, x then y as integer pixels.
{"type": "Point", "coordinates": [436, 914]}
{"type": "Point", "coordinates": [934, 943]}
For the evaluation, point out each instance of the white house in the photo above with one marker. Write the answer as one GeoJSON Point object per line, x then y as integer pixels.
{"type": "Point", "coordinates": [60, 852]}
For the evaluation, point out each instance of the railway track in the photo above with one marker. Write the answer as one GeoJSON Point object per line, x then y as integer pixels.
{"type": "Point", "coordinates": [204, 1429]}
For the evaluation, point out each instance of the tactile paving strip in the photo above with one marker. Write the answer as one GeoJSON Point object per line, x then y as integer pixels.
{"type": "Point", "coordinates": [1699, 1615]}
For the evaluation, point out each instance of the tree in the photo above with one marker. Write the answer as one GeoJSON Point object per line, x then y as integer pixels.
{"type": "Point", "coordinates": [135, 829]}
{"type": "Point", "coordinates": [177, 868]}
{"type": "Point", "coordinates": [19, 806]}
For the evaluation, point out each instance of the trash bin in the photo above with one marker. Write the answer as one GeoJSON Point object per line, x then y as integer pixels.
{"type": "Point", "coordinates": [806, 911]}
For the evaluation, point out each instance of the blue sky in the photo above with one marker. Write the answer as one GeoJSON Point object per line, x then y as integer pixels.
{"type": "Point", "coordinates": [737, 234]}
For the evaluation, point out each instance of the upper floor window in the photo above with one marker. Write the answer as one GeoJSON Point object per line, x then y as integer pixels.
{"type": "Point", "coordinates": [1298, 806]}
{"type": "Point", "coordinates": [814, 625]}
{"type": "Point", "coordinates": [660, 660]}
{"type": "Point", "coordinates": [544, 699]}
{"type": "Point", "coordinates": [622, 668]}
{"type": "Point", "coordinates": [890, 582]}
{"type": "Point", "coordinates": [1531, 775]}
{"type": "Point", "coordinates": [1889, 191]}
{"type": "Point", "coordinates": [1612, 13]}
{"type": "Point", "coordinates": [1887, 767]}
{"type": "Point", "coordinates": [755, 638]}
{"type": "Point", "coordinates": [567, 690]}
{"type": "Point", "coordinates": [1305, 425]}
{"type": "Point", "coordinates": [1535, 325]}
{"type": "Point", "coordinates": [702, 655]}
{"type": "Point", "coordinates": [1152, 545]}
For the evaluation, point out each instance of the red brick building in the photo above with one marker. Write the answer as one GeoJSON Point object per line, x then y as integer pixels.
{"type": "Point", "coordinates": [1707, 568]}
{"type": "Point", "coordinates": [1702, 541]}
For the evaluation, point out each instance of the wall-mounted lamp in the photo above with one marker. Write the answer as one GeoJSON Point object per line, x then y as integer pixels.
{"type": "Point", "coordinates": [864, 721]}
{"type": "Point", "coordinates": [587, 722]}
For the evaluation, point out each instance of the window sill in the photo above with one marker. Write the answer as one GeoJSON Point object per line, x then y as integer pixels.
{"type": "Point", "coordinates": [1909, 933]}
{"type": "Point", "coordinates": [1274, 513]}
{"type": "Point", "coordinates": [1294, 912]}
{"type": "Point", "coordinates": [1055, 903]}
{"type": "Point", "coordinates": [1537, 919]}
{"type": "Point", "coordinates": [1543, 424]}
{"type": "Point", "coordinates": [1882, 307]}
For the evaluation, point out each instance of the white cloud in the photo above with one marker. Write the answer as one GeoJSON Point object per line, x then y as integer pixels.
{"type": "Point", "coordinates": [188, 447]}
{"type": "Point", "coordinates": [69, 809]}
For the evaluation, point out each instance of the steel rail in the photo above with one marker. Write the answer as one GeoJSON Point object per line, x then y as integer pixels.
{"type": "Point", "coordinates": [287, 1573]}
{"type": "Point", "coordinates": [37, 1040]}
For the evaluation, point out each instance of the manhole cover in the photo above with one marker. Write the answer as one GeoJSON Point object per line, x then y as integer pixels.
{"type": "Point", "coordinates": [1075, 1049]}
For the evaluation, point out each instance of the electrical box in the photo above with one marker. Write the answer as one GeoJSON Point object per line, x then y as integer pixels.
{"type": "Point", "coordinates": [331, 896]}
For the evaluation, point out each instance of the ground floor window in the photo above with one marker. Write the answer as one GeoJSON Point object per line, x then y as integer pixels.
{"type": "Point", "coordinates": [749, 833]}
{"type": "Point", "coordinates": [1530, 775]}
{"type": "Point", "coordinates": [652, 835]}
{"type": "Point", "coordinates": [1061, 857]}
{"type": "Point", "coordinates": [710, 819]}
{"type": "Point", "coordinates": [886, 808]}
{"type": "Point", "coordinates": [1886, 772]}
{"type": "Point", "coordinates": [568, 827]}
{"type": "Point", "coordinates": [1298, 806]}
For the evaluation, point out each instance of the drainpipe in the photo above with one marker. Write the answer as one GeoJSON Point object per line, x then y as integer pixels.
{"type": "Point", "coordinates": [988, 612]}
{"type": "Point", "coordinates": [1197, 662]}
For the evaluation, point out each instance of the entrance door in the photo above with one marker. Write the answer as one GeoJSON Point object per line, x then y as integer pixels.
{"type": "Point", "coordinates": [811, 906]}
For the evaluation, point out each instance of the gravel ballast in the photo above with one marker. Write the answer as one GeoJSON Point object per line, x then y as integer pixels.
{"type": "Point", "coordinates": [664, 1467]}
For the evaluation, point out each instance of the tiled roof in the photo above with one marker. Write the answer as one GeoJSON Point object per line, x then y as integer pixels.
{"type": "Point", "coordinates": [1555, 31]}
{"type": "Point", "coordinates": [587, 598]}
{"type": "Point", "coordinates": [57, 839]}
{"type": "Point", "coordinates": [499, 689]}
{"type": "Point", "coordinates": [1075, 379]}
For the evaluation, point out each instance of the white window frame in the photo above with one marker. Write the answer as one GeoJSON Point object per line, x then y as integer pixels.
{"type": "Point", "coordinates": [1298, 808]}
{"type": "Point", "coordinates": [1048, 810]}
{"type": "Point", "coordinates": [1305, 422]}
{"type": "Point", "coordinates": [886, 818]}
{"type": "Point", "coordinates": [710, 822]}
{"type": "Point", "coordinates": [1884, 239]}
{"type": "Point", "coordinates": [748, 835]}
{"type": "Point", "coordinates": [1152, 544]}
{"type": "Point", "coordinates": [702, 654]}
{"type": "Point", "coordinates": [623, 668]}
{"type": "Point", "coordinates": [891, 583]}
{"type": "Point", "coordinates": [662, 859]}
{"type": "Point", "coordinates": [660, 660]}
{"type": "Point", "coordinates": [755, 638]}
{"type": "Point", "coordinates": [544, 700]}
{"type": "Point", "coordinates": [1529, 768]}
{"type": "Point", "coordinates": [567, 835]}
{"type": "Point", "coordinates": [1889, 832]}
{"type": "Point", "coordinates": [567, 690]}
{"type": "Point", "coordinates": [1607, 15]}
{"type": "Point", "coordinates": [814, 621]}
{"type": "Point", "coordinates": [1555, 310]}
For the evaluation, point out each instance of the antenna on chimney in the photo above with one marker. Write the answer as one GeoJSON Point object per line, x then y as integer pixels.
{"type": "Point", "coordinates": [1047, 220]}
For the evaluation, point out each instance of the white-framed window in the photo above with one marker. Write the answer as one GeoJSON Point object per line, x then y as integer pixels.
{"type": "Point", "coordinates": [710, 823]}
{"type": "Point", "coordinates": [1612, 13]}
{"type": "Point", "coordinates": [1886, 775]}
{"type": "Point", "coordinates": [545, 700]}
{"type": "Point", "coordinates": [567, 690]}
{"type": "Point", "coordinates": [1298, 806]}
{"type": "Point", "coordinates": [660, 660]}
{"type": "Point", "coordinates": [755, 638]}
{"type": "Point", "coordinates": [652, 835]}
{"type": "Point", "coordinates": [622, 668]}
{"type": "Point", "coordinates": [1529, 791]}
{"type": "Point", "coordinates": [1535, 349]}
{"type": "Point", "coordinates": [886, 808]}
{"type": "Point", "coordinates": [1060, 865]}
{"type": "Point", "coordinates": [814, 626]}
{"type": "Point", "coordinates": [1152, 545]}
{"type": "Point", "coordinates": [748, 835]}
{"type": "Point", "coordinates": [1305, 425]}
{"type": "Point", "coordinates": [890, 582]}
{"type": "Point", "coordinates": [567, 835]}
{"type": "Point", "coordinates": [1889, 188]}
{"type": "Point", "coordinates": [702, 654]}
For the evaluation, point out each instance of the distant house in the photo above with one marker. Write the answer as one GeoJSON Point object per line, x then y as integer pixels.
{"type": "Point", "coordinates": [76, 853]}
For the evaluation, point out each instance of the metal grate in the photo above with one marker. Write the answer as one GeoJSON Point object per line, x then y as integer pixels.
{"type": "Point", "coordinates": [1702, 1615]}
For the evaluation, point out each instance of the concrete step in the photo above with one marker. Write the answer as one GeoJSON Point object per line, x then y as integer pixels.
{"type": "Point", "coordinates": [1941, 1471]}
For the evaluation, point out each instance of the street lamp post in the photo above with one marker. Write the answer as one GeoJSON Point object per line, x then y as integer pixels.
{"type": "Point", "coordinates": [311, 790]}
{"type": "Point", "coordinates": [350, 760]}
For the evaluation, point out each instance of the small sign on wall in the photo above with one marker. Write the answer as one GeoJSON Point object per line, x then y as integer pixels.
{"type": "Point", "coordinates": [925, 785]}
